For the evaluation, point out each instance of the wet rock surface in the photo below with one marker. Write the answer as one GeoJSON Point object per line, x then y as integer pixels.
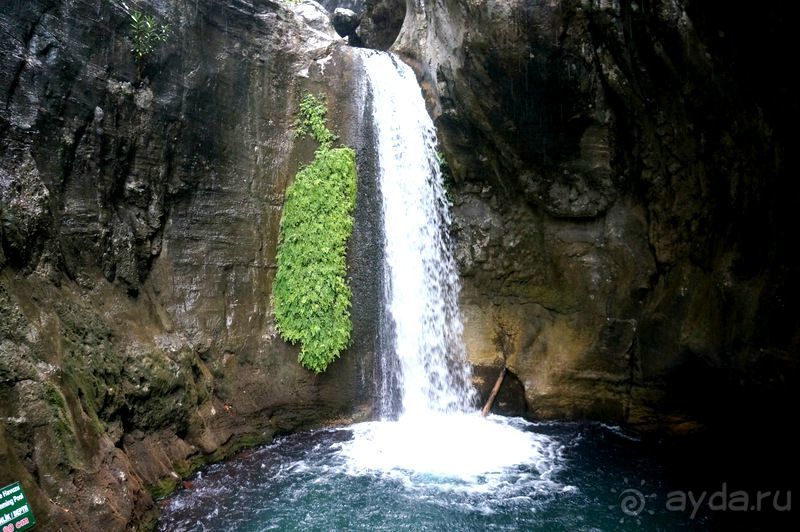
{"type": "Point", "coordinates": [622, 184]}
{"type": "Point", "coordinates": [140, 204]}
{"type": "Point", "coordinates": [510, 399]}
{"type": "Point", "coordinates": [381, 23]}
{"type": "Point", "coordinates": [345, 21]}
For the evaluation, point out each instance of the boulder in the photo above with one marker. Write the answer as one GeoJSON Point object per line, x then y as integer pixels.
{"type": "Point", "coordinates": [345, 21]}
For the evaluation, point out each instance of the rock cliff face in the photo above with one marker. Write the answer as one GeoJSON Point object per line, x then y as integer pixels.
{"type": "Point", "coordinates": [622, 178]}
{"type": "Point", "coordinates": [140, 210]}
{"type": "Point", "coordinates": [622, 174]}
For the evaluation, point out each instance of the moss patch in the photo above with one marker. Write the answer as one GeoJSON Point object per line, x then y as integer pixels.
{"type": "Point", "coordinates": [168, 484]}
{"type": "Point", "coordinates": [54, 397]}
{"type": "Point", "coordinates": [163, 487]}
{"type": "Point", "coordinates": [143, 388]}
{"type": "Point", "coordinates": [12, 323]}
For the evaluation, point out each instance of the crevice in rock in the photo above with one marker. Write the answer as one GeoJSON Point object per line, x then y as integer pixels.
{"type": "Point", "coordinates": [15, 82]}
{"type": "Point", "coordinates": [370, 24]}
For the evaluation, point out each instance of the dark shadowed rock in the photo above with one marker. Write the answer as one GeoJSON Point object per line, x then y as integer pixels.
{"type": "Point", "coordinates": [345, 21]}
{"type": "Point", "coordinates": [510, 399]}
{"type": "Point", "coordinates": [622, 188]}
{"type": "Point", "coordinates": [381, 23]}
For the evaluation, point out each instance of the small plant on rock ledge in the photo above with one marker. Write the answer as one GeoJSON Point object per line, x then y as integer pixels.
{"type": "Point", "coordinates": [146, 33]}
{"type": "Point", "coordinates": [447, 175]}
{"type": "Point", "coordinates": [312, 121]}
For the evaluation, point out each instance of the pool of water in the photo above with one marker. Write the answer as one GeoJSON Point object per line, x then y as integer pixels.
{"type": "Point", "coordinates": [380, 476]}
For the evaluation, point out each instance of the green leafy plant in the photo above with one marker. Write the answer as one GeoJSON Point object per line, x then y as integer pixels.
{"type": "Point", "coordinates": [146, 33]}
{"type": "Point", "coordinates": [312, 121]}
{"type": "Point", "coordinates": [310, 294]}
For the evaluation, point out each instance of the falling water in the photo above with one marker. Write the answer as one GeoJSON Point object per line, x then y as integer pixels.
{"type": "Point", "coordinates": [423, 360]}
{"type": "Point", "coordinates": [431, 461]}
{"type": "Point", "coordinates": [429, 421]}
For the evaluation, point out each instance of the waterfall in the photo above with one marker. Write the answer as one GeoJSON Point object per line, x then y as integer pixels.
{"type": "Point", "coordinates": [429, 423]}
{"type": "Point", "coordinates": [432, 461]}
{"type": "Point", "coordinates": [423, 360]}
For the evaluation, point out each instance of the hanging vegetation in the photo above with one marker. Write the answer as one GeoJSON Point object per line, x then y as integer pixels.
{"type": "Point", "coordinates": [311, 296]}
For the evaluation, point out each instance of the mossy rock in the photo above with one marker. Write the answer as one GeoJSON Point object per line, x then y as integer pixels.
{"type": "Point", "coordinates": [165, 486]}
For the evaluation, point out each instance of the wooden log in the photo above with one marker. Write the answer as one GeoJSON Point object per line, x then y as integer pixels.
{"type": "Point", "coordinates": [497, 384]}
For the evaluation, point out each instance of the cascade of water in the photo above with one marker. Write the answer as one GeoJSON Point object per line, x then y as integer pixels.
{"type": "Point", "coordinates": [432, 451]}
{"type": "Point", "coordinates": [423, 360]}
{"type": "Point", "coordinates": [426, 380]}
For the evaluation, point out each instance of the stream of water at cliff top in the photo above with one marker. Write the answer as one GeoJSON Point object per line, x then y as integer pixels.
{"type": "Point", "coordinates": [431, 462]}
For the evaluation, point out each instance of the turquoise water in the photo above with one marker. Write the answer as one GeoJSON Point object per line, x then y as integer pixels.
{"type": "Point", "coordinates": [308, 481]}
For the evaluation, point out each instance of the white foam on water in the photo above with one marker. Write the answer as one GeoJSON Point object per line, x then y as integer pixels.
{"type": "Point", "coordinates": [495, 458]}
{"type": "Point", "coordinates": [454, 446]}
{"type": "Point", "coordinates": [437, 440]}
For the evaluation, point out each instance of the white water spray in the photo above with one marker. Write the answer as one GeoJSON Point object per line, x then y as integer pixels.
{"type": "Point", "coordinates": [424, 349]}
{"type": "Point", "coordinates": [432, 462]}
{"type": "Point", "coordinates": [426, 379]}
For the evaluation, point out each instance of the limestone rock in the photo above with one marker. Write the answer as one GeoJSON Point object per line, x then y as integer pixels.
{"type": "Point", "coordinates": [381, 23]}
{"type": "Point", "coordinates": [139, 213]}
{"type": "Point", "coordinates": [313, 15]}
{"type": "Point", "coordinates": [356, 6]}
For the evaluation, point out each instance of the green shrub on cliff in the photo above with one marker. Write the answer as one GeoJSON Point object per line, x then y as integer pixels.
{"type": "Point", "coordinates": [145, 34]}
{"type": "Point", "coordinates": [310, 294]}
{"type": "Point", "coordinates": [312, 121]}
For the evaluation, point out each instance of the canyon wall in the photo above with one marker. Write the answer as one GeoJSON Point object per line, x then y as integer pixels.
{"type": "Point", "coordinates": [140, 209]}
{"type": "Point", "coordinates": [623, 180]}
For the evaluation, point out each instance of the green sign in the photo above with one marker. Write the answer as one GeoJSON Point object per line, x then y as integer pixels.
{"type": "Point", "coordinates": [15, 512]}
